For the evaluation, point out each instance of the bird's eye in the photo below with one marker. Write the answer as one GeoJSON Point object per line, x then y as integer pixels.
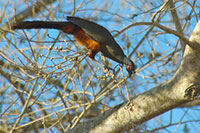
{"type": "Point", "coordinates": [128, 67]}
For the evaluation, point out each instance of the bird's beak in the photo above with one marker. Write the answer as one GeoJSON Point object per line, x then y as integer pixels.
{"type": "Point", "coordinates": [130, 73]}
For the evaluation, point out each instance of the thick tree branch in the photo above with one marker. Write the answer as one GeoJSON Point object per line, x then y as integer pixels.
{"type": "Point", "coordinates": [193, 103]}
{"type": "Point", "coordinates": [183, 87]}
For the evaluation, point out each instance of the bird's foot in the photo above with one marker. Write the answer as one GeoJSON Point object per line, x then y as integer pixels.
{"type": "Point", "coordinates": [107, 70]}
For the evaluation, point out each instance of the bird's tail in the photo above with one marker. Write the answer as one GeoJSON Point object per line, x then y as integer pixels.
{"type": "Point", "coordinates": [66, 27]}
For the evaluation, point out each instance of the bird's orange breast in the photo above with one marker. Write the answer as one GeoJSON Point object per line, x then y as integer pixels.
{"type": "Point", "coordinates": [84, 40]}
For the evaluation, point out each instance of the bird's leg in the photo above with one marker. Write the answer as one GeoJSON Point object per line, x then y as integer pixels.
{"type": "Point", "coordinates": [92, 54]}
{"type": "Point", "coordinates": [106, 68]}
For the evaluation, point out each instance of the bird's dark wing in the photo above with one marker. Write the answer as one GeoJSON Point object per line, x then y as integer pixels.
{"type": "Point", "coordinates": [109, 46]}
{"type": "Point", "coordinates": [93, 30]}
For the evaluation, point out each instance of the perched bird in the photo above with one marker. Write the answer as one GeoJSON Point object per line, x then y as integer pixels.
{"type": "Point", "coordinates": [89, 34]}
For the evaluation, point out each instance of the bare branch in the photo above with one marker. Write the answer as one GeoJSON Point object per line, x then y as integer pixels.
{"type": "Point", "coordinates": [30, 11]}
{"type": "Point", "coordinates": [193, 45]}
{"type": "Point", "coordinates": [176, 22]}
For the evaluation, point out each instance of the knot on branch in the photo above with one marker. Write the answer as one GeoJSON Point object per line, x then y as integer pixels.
{"type": "Point", "coordinates": [129, 106]}
{"type": "Point", "coordinates": [193, 91]}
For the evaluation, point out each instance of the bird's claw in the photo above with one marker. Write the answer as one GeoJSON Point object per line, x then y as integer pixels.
{"type": "Point", "coordinates": [107, 69]}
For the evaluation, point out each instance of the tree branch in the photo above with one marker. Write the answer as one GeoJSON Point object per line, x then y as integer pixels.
{"type": "Point", "coordinates": [176, 22]}
{"type": "Point", "coordinates": [193, 44]}
{"type": "Point", "coordinates": [30, 11]}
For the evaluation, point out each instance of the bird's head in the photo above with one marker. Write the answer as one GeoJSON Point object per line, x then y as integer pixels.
{"type": "Point", "coordinates": [130, 66]}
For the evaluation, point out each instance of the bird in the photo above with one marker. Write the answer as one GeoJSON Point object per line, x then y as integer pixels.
{"type": "Point", "coordinates": [87, 33]}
